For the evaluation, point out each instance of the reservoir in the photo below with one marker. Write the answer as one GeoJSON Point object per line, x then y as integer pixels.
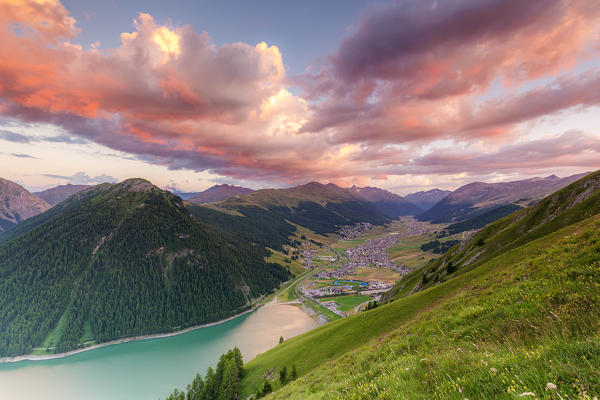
{"type": "Point", "coordinates": [150, 369]}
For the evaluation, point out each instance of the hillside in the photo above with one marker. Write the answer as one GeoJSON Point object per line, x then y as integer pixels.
{"type": "Point", "coordinates": [268, 216]}
{"type": "Point", "coordinates": [512, 326]}
{"type": "Point", "coordinates": [481, 220]}
{"type": "Point", "coordinates": [58, 194]}
{"type": "Point", "coordinates": [524, 315]}
{"type": "Point", "coordinates": [478, 197]}
{"type": "Point", "coordinates": [218, 193]}
{"type": "Point", "coordinates": [576, 202]}
{"type": "Point", "coordinates": [427, 199]}
{"type": "Point", "coordinates": [122, 260]}
{"type": "Point", "coordinates": [17, 204]}
{"type": "Point", "coordinates": [390, 204]}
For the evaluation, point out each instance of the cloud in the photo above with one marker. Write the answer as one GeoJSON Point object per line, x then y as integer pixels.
{"type": "Point", "coordinates": [13, 137]}
{"type": "Point", "coordinates": [19, 155]}
{"type": "Point", "coordinates": [464, 71]}
{"type": "Point", "coordinates": [570, 149]}
{"type": "Point", "coordinates": [81, 178]}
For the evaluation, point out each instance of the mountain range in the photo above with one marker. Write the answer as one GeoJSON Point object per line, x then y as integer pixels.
{"type": "Point", "coordinates": [478, 197]}
{"type": "Point", "coordinates": [270, 216]}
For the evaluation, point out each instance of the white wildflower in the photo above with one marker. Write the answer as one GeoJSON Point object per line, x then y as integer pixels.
{"type": "Point", "coordinates": [493, 370]}
{"type": "Point", "coordinates": [551, 386]}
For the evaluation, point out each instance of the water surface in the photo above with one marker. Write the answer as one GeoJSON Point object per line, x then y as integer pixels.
{"type": "Point", "coordinates": [150, 369]}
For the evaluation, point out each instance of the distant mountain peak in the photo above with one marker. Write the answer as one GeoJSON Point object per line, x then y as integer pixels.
{"type": "Point", "coordinates": [217, 193]}
{"type": "Point", "coordinates": [392, 205]}
{"type": "Point", "coordinates": [58, 194]}
{"type": "Point", "coordinates": [17, 204]}
{"type": "Point", "coordinates": [135, 185]}
{"type": "Point", "coordinates": [427, 199]}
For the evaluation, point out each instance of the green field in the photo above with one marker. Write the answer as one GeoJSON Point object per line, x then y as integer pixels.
{"type": "Point", "coordinates": [347, 303]}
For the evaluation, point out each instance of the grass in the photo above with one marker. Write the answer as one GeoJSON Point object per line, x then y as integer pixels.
{"type": "Point", "coordinates": [508, 327]}
{"type": "Point", "coordinates": [347, 303]}
{"type": "Point", "coordinates": [278, 257]}
{"type": "Point", "coordinates": [408, 251]}
{"type": "Point", "coordinates": [369, 274]}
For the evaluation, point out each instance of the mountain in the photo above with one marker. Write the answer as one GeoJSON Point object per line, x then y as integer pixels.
{"type": "Point", "coordinates": [475, 198]}
{"type": "Point", "coordinates": [481, 220]}
{"type": "Point", "coordinates": [269, 216]}
{"type": "Point", "coordinates": [218, 193]}
{"type": "Point", "coordinates": [58, 194]}
{"type": "Point", "coordinates": [523, 317]}
{"type": "Point", "coordinates": [426, 200]}
{"type": "Point", "coordinates": [17, 204]}
{"type": "Point", "coordinates": [119, 260]}
{"type": "Point", "coordinates": [390, 204]}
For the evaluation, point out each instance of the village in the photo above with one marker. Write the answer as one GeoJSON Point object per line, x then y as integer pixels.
{"type": "Point", "coordinates": [353, 276]}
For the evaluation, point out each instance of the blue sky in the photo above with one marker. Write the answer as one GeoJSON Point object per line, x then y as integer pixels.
{"type": "Point", "coordinates": [303, 30]}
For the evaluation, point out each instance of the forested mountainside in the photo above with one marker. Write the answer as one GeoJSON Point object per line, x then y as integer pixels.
{"type": "Point", "coordinates": [390, 204]}
{"type": "Point", "coordinates": [122, 260]}
{"type": "Point", "coordinates": [480, 220]}
{"type": "Point", "coordinates": [522, 316]}
{"type": "Point", "coordinates": [58, 194]}
{"type": "Point", "coordinates": [17, 204]}
{"type": "Point", "coordinates": [268, 216]}
{"type": "Point", "coordinates": [476, 198]}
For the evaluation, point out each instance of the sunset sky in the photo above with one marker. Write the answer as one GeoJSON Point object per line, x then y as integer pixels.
{"type": "Point", "coordinates": [406, 95]}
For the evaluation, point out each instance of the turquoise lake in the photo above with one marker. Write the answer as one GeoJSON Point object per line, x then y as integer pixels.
{"type": "Point", "coordinates": [150, 369]}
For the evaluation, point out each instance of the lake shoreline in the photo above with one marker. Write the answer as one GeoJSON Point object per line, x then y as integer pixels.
{"type": "Point", "coordinates": [33, 357]}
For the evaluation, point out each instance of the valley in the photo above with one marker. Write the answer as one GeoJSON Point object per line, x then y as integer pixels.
{"type": "Point", "coordinates": [347, 274]}
{"type": "Point", "coordinates": [300, 200]}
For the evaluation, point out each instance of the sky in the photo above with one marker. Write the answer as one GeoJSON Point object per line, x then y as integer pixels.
{"type": "Point", "coordinates": [403, 95]}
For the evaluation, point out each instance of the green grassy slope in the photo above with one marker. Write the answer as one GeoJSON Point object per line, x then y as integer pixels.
{"type": "Point", "coordinates": [510, 326]}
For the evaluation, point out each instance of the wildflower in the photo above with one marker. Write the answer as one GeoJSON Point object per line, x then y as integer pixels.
{"type": "Point", "coordinates": [493, 370]}
{"type": "Point", "coordinates": [551, 386]}
{"type": "Point", "coordinates": [527, 394]}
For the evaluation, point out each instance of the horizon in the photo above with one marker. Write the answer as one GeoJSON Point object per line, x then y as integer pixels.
{"type": "Point", "coordinates": [178, 192]}
{"type": "Point", "coordinates": [192, 95]}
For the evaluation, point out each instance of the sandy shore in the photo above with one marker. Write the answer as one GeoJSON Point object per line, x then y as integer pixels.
{"type": "Point", "coordinates": [32, 357]}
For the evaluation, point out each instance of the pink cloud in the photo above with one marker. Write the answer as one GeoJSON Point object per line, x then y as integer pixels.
{"type": "Point", "coordinates": [409, 75]}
